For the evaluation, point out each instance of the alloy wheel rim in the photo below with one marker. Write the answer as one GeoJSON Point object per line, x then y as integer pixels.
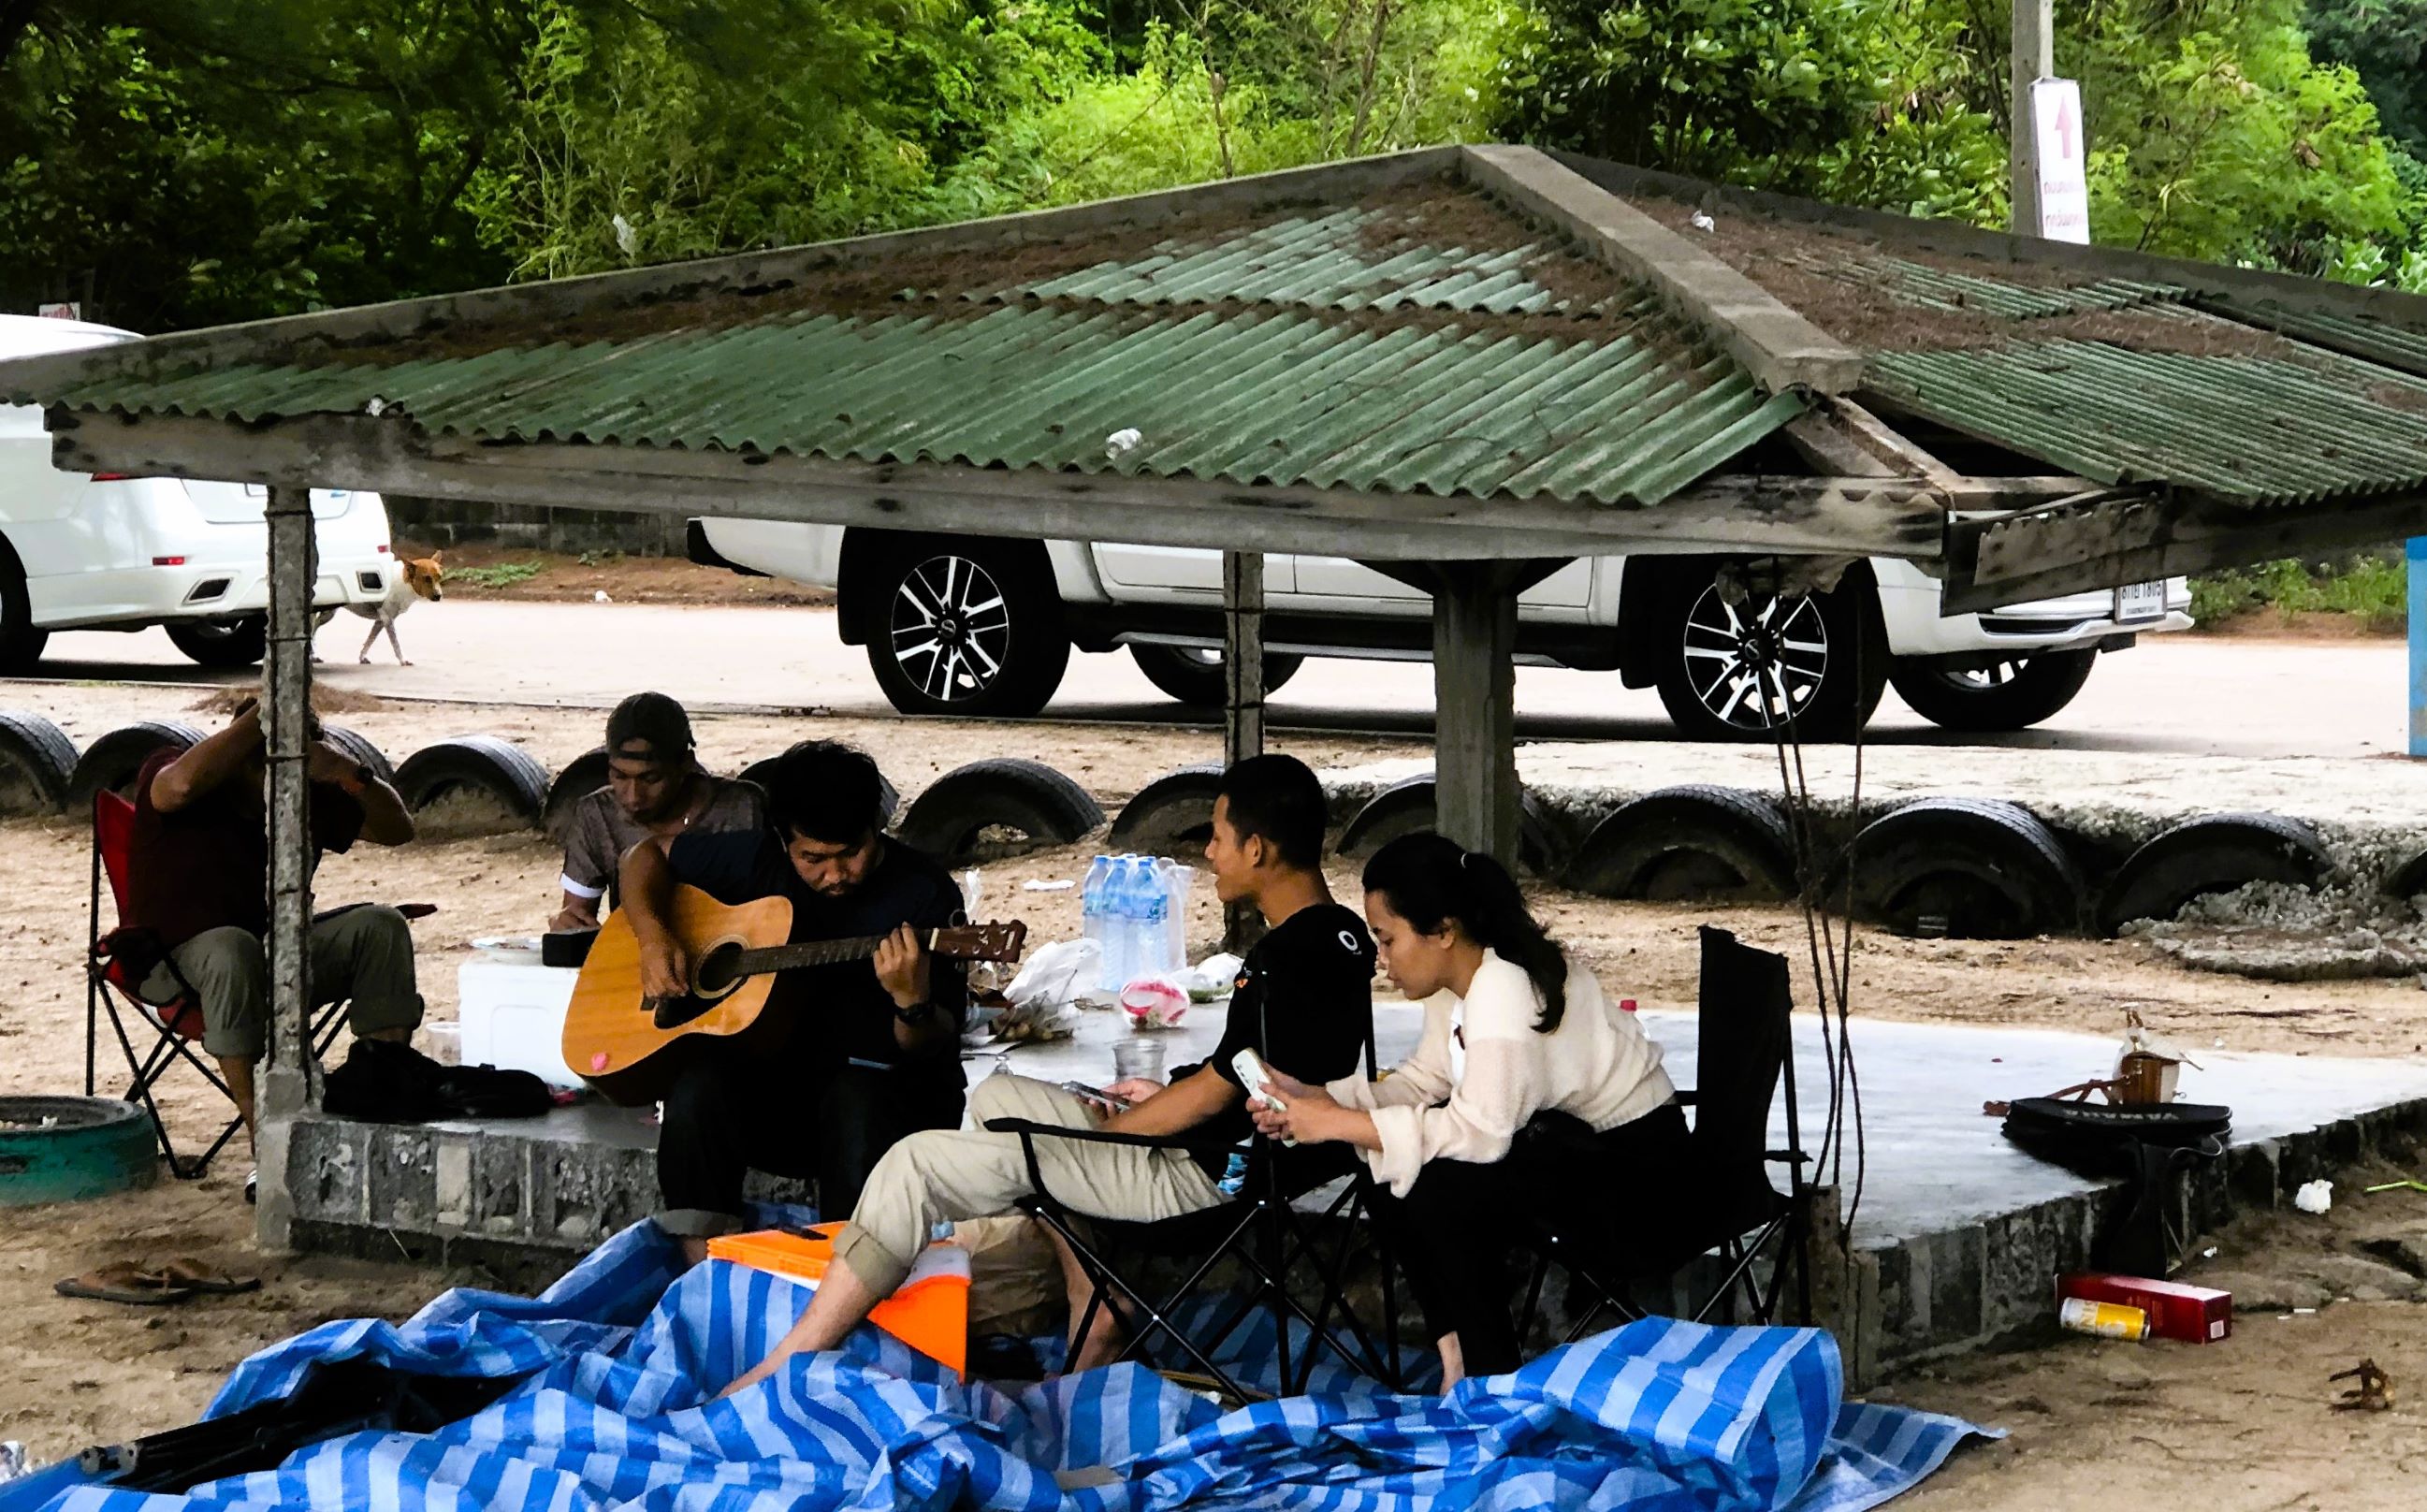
{"type": "Point", "coordinates": [950, 628]}
{"type": "Point", "coordinates": [1759, 666]}
{"type": "Point", "coordinates": [1983, 679]}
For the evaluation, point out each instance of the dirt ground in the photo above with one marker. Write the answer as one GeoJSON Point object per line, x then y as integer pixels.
{"type": "Point", "coordinates": [2242, 1425]}
{"type": "Point", "coordinates": [473, 571]}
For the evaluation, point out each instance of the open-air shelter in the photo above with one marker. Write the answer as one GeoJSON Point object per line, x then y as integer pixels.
{"type": "Point", "coordinates": [1465, 366]}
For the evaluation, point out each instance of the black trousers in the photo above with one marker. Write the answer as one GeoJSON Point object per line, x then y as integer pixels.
{"type": "Point", "coordinates": [1449, 1232]}
{"type": "Point", "coordinates": [732, 1112]}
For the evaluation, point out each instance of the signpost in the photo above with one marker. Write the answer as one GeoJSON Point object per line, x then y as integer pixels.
{"type": "Point", "coordinates": [67, 310]}
{"type": "Point", "coordinates": [2059, 161]}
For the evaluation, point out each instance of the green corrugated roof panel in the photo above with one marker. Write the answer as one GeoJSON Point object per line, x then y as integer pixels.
{"type": "Point", "coordinates": [1939, 288]}
{"type": "Point", "coordinates": [1617, 410]}
{"type": "Point", "coordinates": [1356, 258]}
{"type": "Point", "coordinates": [1417, 342]}
{"type": "Point", "coordinates": [2266, 428]}
{"type": "Point", "coordinates": [2376, 340]}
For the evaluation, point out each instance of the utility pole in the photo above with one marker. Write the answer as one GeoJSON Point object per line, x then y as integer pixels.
{"type": "Point", "coordinates": [2034, 59]}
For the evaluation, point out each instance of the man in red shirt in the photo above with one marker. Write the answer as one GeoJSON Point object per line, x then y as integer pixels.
{"type": "Point", "coordinates": [200, 865]}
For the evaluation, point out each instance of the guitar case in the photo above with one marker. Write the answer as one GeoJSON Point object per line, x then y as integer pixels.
{"type": "Point", "coordinates": [2146, 1146]}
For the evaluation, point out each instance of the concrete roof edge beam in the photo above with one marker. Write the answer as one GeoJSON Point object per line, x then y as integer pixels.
{"type": "Point", "coordinates": [1777, 345]}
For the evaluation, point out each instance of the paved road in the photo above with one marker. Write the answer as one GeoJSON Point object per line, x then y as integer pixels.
{"type": "Point", "coordinates": [2233, 697]}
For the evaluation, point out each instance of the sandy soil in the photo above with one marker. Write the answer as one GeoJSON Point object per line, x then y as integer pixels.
{"type": "Point", "coordinates": [2245, 1425]}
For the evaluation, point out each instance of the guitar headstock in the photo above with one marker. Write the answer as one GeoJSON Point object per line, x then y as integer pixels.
{"type": "Point", "coordinates": [983, 942]}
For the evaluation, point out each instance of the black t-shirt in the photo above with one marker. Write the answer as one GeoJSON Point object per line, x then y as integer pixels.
{"type": "Point", "coordinates": [1304, 1004]}
{"type": "Point", "coordinates": [841, 1014]}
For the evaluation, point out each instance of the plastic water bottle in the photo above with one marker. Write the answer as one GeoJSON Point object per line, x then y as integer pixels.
{"type": "Point", "coordinates": [1092, 909]}
{"type": "Point", "coordinates": [1178, 879]}
{"type": "Point", "coordinates": [1120, 939]}
{"type": "Point", "coordinates": [1153, 921]}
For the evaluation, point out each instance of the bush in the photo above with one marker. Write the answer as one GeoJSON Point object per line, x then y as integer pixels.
{"type": "Point", "coordinates": [2373, 589]}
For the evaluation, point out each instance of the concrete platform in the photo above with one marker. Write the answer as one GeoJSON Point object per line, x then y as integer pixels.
{"type": "Point", "coordinates": [1958, 1234]}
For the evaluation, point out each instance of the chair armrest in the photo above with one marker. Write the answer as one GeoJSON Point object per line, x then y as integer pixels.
{"type": "Point", "coordinates": [1025, 1128]}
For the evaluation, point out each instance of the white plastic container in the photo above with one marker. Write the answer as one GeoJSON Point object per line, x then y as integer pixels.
{"type": "Point", "coordinates": [512, 1014]}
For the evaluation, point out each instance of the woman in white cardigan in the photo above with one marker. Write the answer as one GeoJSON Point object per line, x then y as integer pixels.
{"type": "Point", "coordinates": [1514, 1036]}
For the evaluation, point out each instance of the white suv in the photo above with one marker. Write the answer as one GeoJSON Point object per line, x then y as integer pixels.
{"type": "Point", "coordinates": [967, 624]}
{"type": "Point", "coordinates": [97, 552]}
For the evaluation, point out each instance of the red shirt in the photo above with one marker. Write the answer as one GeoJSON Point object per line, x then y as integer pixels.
{"type": "Point", "coordinates": [207, 865]}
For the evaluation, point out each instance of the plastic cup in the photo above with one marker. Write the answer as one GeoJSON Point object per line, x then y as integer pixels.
{"type": "Point", "coordinates": [446, 1041]}
{"type": "Point", "coordinates": [1137, 1057]}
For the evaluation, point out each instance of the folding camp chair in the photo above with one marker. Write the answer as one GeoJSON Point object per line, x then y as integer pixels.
{"type": "Point", "coordinates": [1265, 1230]}
{"type": "Point", "coordinates": [1743, 1051]}
{"type": "Point", "coordinates": [117, 968]}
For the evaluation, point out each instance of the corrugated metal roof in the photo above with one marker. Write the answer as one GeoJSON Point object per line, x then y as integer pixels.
{"type": "Point", "coordinates": [1939, 288]}
{"type": "Point", "coordinates": [2268, 429]}
{"type": "Point", "coordinates": [2360, 337]}
{"type": "Point", "coordinates": [1430, 344]}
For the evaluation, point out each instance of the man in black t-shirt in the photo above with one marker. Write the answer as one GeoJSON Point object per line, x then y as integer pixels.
{"type": "Point", "coordinates": [848, 1058]}
{"type": "Point", "coordinates": [1305, 995]}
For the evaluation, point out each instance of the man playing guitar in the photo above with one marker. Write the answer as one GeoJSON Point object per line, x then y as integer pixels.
{"type": "Point", "coordinates": [849, 1058]}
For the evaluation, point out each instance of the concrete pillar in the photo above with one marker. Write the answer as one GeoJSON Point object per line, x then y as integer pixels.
{"type": "Point", "coordinates": [1242, 707]}
{"type": "Point", "coordinates": [285, 1083]}
{"type": "Point", "coordinates": [1474, 706]}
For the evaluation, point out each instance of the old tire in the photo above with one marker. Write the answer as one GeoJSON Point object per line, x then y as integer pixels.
{"type": "Point", "coordinates": [21, 643]}
{"type": "Point", "coordinates": [967, 625]}
{"type": "Point", "coordinates": [37, 765]}
{"type": "Point", "coordinates": [1695, 841]}
{"type": "Point", "coordinates": [2217, 852]}
{"type": "Point", "coordinates": [1969, 868]}
{"type": "Point", "coordinates": [359, 748]}
{"type": "Point", "coordinates": [583, 776]}
{"type": "Point", "coordinates": [1810, 668]}
{"type": "Point", "coordinates": [1194, 675]}
{"type": "Point", "coordinates": [1172, 815]}
{"type": "Point", "coordinates": [2012, 696]}
{"type": "Point", "coordinates": [69, 1149]}
{"type": "Point", "coordinates": [225, 643]}
{"type": "Point", "coordinates": [1411, 807]}
{"type": "Point", "coordinates": [2409, 879]}
{"type": "Point", "coordinates": [110, 763]}
{"type": "Point", "coordinates": [1007, 793]}
{"type": "Point", "coordinates": [470, 768]}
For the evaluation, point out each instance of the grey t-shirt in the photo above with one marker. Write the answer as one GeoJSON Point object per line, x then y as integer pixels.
{"type": "Point", "coordinates": [722, 841]}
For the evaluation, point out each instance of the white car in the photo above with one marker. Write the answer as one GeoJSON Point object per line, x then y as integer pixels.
{"type": "Point", "coordinates": [95, 552]}
{"type": "Point", "coordinates": [966, 625]}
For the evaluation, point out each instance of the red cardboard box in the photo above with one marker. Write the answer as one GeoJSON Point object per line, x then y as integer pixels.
{"type": "Point", "coordinates": [2193, 1315]}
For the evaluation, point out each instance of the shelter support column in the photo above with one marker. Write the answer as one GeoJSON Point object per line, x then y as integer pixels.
{"type": "Point", "coordinates": [1475, 704]}
{"type": "Point", "coordinates": [2415, 559]}
{"type": "Point", "coordinates": [285, 1086]}
{"type": "Point", "coordinates": [1242, 704]}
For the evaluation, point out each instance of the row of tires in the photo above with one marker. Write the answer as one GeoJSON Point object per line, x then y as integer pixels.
{"type": "Point", "coordinates": [1969, 868]}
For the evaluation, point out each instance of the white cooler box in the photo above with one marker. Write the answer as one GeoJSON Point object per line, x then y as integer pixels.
{"type": "Point", "coordinates": [512, 1012]}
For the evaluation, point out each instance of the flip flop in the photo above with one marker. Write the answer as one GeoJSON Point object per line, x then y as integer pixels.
{"type": "Point", "coordinates": [127, 1283]}
{"type": "Point", "coordinates": [187, 1271]}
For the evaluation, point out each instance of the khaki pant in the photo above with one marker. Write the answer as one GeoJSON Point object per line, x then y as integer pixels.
{"type": "Point", "coordinates": [949, 1175]}
{"type": "Point", "coordinates": [363, 956]}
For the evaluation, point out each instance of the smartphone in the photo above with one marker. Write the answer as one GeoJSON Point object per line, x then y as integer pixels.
{"type": "Point", "coordinates": [1258, 1083]}
{"type": "Point", "coordinates": [1096, 1094]}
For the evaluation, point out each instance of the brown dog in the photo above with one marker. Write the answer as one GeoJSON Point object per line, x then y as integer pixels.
{"type": "Point", "coordinates": [421, 578]}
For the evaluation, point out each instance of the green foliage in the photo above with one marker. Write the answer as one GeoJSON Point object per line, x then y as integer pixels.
{"type": "Point", "coordinates": [2373, 588]}
{"type": "Point", "coordinates": [500, 575]}
{"type": "Point", "coordinates": [2215, 135]}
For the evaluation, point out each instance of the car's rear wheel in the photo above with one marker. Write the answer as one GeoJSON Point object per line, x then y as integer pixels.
{"type": "Point", "coordinates": [237, 643]}
{"type": "Point", "coordinates": [1808, 667]}
{"type": "Point", "coordinates": [21, 643]}
{"type": "Point", "coordinates": [1193, 674]}
{"type": "Point", "coordinates": [2010, 695]}
{"type": "Point", "coordinates": [967, 627]}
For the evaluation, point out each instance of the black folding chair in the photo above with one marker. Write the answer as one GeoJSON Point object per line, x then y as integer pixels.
{"type": "Point", "coordinates": [1265, 1230]}
{"type": "Point", "coordinates": [1728, 1205]}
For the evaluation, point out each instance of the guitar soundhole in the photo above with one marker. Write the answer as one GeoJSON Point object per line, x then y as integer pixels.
{"type": "Point", "coordinates": [717, 973]}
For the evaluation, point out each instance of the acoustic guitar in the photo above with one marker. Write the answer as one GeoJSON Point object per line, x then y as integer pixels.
{"type": "Point", "coordinates": [628, 1045]}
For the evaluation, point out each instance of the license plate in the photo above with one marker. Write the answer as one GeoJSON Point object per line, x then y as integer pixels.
{"type": "Point", "coordinates": [2141, 601]}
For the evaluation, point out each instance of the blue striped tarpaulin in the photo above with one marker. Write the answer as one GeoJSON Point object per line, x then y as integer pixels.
{"type": "Point", "coordinates": [620, 1359]}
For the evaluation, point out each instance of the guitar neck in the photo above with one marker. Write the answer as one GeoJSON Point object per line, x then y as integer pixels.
{"type": "Point", "coordinates": [817, 952]}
